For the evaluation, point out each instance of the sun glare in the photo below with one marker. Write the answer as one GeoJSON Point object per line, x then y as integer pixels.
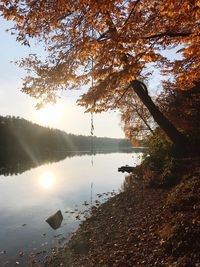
{"type": "Point", "coordinates": [49, 113]}
{"type": "Point", "coordinates": [47, 180]}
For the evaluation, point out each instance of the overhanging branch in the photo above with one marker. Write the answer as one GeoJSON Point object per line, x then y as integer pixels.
{"type": "Point", "coordinates": [169, 34]}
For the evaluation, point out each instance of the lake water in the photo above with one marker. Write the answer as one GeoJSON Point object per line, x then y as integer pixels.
{"type": "Point", "coordinates": [29, 198]}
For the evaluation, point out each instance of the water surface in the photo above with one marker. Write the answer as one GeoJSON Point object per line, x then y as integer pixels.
{"type": "Point", "coordinates": [29, 198]}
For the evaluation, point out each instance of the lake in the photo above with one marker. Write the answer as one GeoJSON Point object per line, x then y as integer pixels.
{"type": "Point", "coordinates": [70, 185]}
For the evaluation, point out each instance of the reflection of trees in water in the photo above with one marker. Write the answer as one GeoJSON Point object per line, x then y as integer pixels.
{"type": "Point", "coordinates": [13, 162]}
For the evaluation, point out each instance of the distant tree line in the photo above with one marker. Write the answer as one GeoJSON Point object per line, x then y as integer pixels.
{"type": "Point", "coordinates": [18, 133]}
{"type": "Point", "coordinates": [24, 145]}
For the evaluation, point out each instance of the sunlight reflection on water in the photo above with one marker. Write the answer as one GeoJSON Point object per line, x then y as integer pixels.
{"type": "Point", "coordinates": [47, 180]}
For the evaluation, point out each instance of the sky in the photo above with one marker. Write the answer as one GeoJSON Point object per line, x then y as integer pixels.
{"type": "Point", "coordinates": [65, 115]}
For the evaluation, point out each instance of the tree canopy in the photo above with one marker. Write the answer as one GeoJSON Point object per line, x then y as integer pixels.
{"type": "Point", "coordinates": [112, 42]}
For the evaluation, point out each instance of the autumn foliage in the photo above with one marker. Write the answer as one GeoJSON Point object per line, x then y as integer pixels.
{"type": "Point", "coordinates": [113, 49]}
{"type": "Point", "coordinates": [118, 44]}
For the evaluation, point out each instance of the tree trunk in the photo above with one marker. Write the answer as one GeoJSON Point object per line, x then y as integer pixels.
{"type": "Point", "coordinates": [174, 135]}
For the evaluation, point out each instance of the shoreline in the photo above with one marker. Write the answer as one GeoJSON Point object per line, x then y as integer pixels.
{"type": "Point", "coordinates": [140, 227]}
{"type": "Point", "coordinates": [124, 231]}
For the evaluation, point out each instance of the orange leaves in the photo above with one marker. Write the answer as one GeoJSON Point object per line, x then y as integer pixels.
{"type": "Point", "coordinates": [197, 3]}
{"type": "Point", "coordinates": [150, 57]}
{"type": "Point", "coordinates": [174, 8]}
{"type": "Point", "coordinates": [120, 37]}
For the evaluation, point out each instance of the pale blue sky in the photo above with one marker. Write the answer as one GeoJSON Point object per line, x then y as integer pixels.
{"type": "Point", "coordinates": [66, 116]}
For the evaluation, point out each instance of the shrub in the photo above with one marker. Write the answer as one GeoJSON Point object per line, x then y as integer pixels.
{"type": "Point", "coordinates": [159, 166]}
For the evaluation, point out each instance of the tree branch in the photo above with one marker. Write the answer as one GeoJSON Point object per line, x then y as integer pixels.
{"type": "Point", "coordinates": [68, 13]}
{"type": "Point", "coordinates": [131, 13]}
{"type": "Point", "coordinates": [169, 34]}
{"type": "Point", "coordinates": [111, 28]}
{"type": "Point", "coordinates": [125, 91]}
{"type": "Point", "coordinates": [144, 121]}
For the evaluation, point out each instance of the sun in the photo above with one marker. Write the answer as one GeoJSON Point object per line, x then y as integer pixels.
{"type": "Point", "coordinates": [47, 180]}
{"type": "Point", "coordinates": [50, 114]}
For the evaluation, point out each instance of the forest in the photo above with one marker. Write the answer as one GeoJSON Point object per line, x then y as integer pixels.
{"type": "Point", "coordinates": [22, 135]}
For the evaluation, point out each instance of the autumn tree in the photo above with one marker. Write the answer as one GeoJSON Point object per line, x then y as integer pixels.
{"type": "Point", "coordinates": [111, 41]}
{"type": "Point", "coordinates": [182, 107]}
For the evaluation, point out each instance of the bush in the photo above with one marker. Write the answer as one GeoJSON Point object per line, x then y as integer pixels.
{"type": "Point", "coordinates": [159, 166]}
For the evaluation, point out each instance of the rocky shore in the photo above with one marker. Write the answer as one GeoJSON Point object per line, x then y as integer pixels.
{"type": "Point", "coordinates": [140, 227]}
{"type": "Point", "coordinates": [124, 231]}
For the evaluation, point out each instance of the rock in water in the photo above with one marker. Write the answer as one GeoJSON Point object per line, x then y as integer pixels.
{"type": "Point", "coordinates": [55, 220]}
